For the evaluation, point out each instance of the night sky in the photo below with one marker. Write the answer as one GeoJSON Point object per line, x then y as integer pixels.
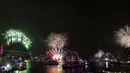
{"type": "Point", "coordinates": [90, 25]}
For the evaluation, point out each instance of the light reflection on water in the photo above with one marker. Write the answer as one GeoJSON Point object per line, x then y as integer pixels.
{"type": "Point", "coordinates": [58, 69]}
{"type": "Point", "coordinates": [54, 69]}
{"type": "Point", "coordinates": [25, 71]}
{"type": "Point", "coordinates": [41, 68]}
{"type": "Point", "coordinates": [48, 69]}
{"type": "Point", "coordinates": [51, 69]}
{"type": "Point", "coordinates": [28, 63]}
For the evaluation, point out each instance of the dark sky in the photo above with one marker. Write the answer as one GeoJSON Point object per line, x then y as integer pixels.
{"type": "Point", "coordinates": [90, 25]}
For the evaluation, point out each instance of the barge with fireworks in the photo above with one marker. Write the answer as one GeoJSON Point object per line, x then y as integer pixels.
{"type": "Point", "coordinates": [72, 60]}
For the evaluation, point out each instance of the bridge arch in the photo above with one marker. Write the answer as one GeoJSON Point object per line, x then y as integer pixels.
{"type": "Point", "coordinates": [13, 36]}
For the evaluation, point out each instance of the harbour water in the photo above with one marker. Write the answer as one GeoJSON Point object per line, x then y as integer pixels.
{"type": "Point", "coordinates": [39, 68]}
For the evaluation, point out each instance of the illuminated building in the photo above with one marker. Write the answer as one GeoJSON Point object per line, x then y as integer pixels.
{"type": "Point", "coordinates": [127, 54]}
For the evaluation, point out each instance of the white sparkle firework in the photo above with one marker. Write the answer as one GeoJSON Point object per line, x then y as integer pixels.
{"type": "Point", "coordinates": [56, 55]}
{"type": "Point", "coordinates": [123, 37]}
{"type": "Point", "coordinates": [16, 36]}
{"type": "Point", "coordinates": [56, 41]}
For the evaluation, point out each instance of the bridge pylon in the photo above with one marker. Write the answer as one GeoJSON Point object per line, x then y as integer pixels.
{"type": "Point", "coordinates": [1, 49]}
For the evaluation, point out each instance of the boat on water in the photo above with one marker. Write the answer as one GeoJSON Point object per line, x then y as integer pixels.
{"type": "Point", "coordinates": [72, 60]}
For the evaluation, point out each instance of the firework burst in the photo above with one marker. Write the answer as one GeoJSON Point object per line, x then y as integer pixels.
{"type": "Point", "coordinates": [56, 41]}
{"type": "Point", "coordinates": [123, 37]}
{"type": "Point", "coordinates": [17, 36]}
{"type": "Point", "coordinates": [56, 55]}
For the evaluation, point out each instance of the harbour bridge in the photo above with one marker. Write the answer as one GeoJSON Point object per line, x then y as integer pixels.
{"type": "Point", "coordinates": [15, 53]}
{"type": "Point", "coordinates": [17, 43]}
